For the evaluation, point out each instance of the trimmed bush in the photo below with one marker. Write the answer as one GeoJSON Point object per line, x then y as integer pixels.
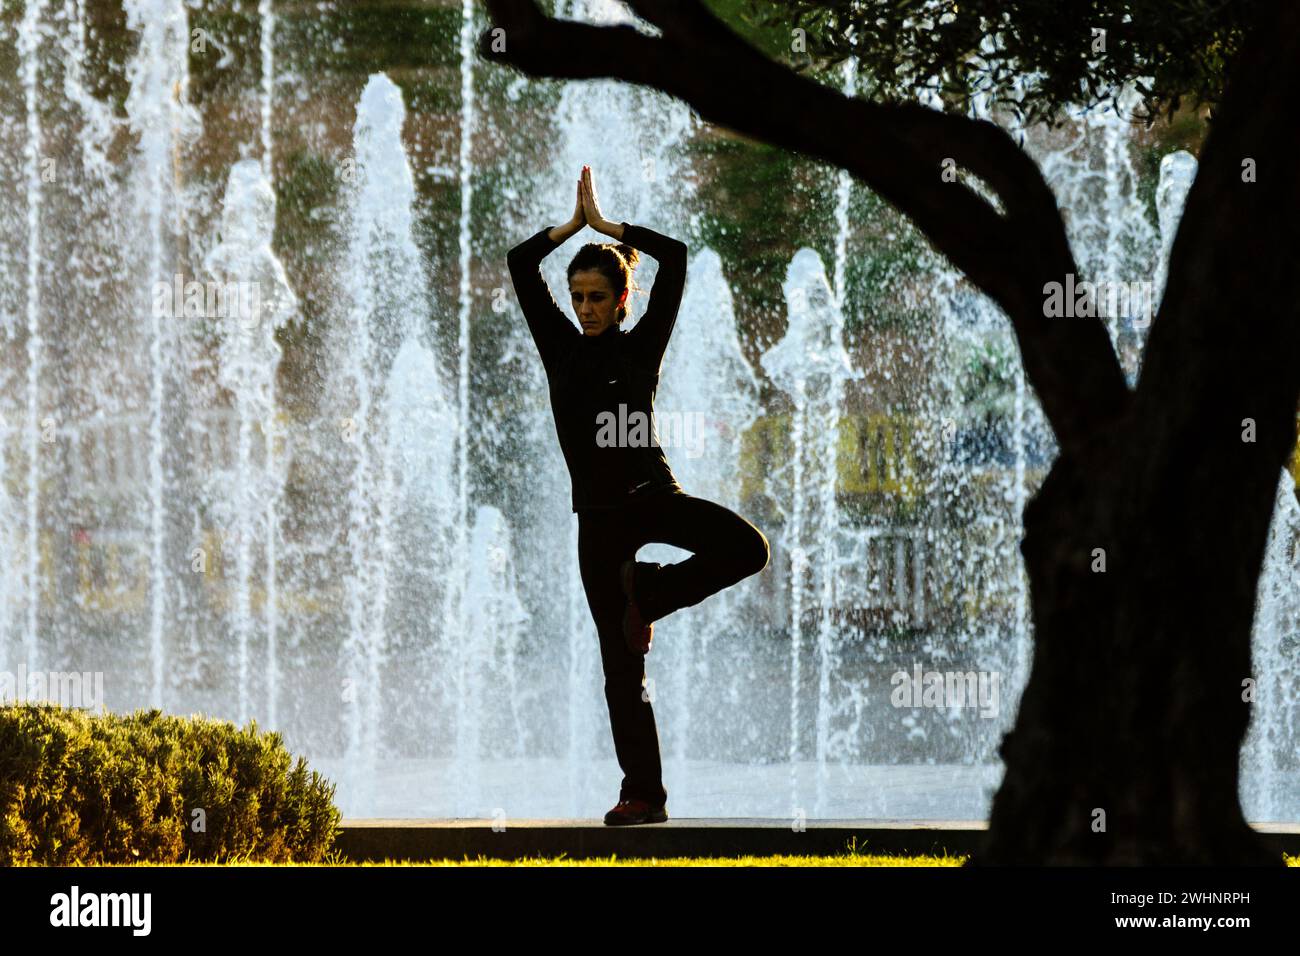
{"type": "Point", "coordinates": [76, 787]}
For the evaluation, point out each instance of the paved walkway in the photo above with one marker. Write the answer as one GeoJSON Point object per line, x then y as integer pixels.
{"type": "Point", "coordinates": [504, 839]}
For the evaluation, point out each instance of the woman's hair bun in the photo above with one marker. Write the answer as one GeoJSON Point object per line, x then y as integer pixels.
{"type": "Point", "coordinates": [629, 254]}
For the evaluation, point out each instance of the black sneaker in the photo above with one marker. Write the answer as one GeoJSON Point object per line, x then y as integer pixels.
{"type": "Point", "coordinates": [629, 812]}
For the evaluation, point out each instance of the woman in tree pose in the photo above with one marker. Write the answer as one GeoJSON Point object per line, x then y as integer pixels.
{"type": "Point", "coordinates": [602, 382]}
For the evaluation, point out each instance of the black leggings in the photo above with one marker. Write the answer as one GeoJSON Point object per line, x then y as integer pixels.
{"type": "Point", "coordinates": [727, 549]}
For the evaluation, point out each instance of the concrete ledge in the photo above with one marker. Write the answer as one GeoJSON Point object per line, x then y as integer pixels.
{"type": "Point", "coordinates": [373, 840]}
{"type": "Point", "coordinates": [456, 839]}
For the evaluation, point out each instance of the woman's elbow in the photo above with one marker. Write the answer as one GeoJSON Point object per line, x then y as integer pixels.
{"type": "Point", "coordinates": [677, 255]}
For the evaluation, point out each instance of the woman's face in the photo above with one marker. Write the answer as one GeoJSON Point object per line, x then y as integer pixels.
{"type": "Point", "coordinates": [593, 301]}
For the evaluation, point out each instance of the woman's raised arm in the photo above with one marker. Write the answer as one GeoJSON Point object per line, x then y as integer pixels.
{"type": "Point", "coordinates": [652, 331]}
{"type": "Point", "coordinates": [545, 320]}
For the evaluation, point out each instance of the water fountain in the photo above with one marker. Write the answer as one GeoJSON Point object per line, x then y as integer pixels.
{"type": "Point", "coordinates": [811, 366]}
{"type": "Point", "coordinates": [243, 497]}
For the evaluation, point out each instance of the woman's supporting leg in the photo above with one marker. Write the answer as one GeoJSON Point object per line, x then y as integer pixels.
{"type": "Point", "coordinates": [727, 549]}
{"type": "Point", "coordinates": [604, 543]}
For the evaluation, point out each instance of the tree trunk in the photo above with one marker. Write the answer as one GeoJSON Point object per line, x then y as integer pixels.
{"type": "Point", "coordinates": [1126, 744]}
{"type": "Point", "coordinates": [1135, 703]}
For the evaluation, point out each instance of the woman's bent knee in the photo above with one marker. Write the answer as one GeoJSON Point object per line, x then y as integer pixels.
{"type": "Point", "coordinates": [760, 552]}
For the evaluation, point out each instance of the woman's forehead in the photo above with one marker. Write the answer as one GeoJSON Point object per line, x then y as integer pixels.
{"type": "Point", "coordinates": [589, 280]}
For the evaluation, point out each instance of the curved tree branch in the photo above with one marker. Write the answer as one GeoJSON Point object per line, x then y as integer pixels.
{"type": "Point", "coordinates": [896, 150]}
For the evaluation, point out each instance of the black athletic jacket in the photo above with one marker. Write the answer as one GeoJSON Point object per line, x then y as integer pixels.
{"type": "Point", "coordinates": [591, 374]}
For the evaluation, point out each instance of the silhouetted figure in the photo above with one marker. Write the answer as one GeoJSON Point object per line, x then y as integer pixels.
{"type": "Point", "coordinates": [624, 493]}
